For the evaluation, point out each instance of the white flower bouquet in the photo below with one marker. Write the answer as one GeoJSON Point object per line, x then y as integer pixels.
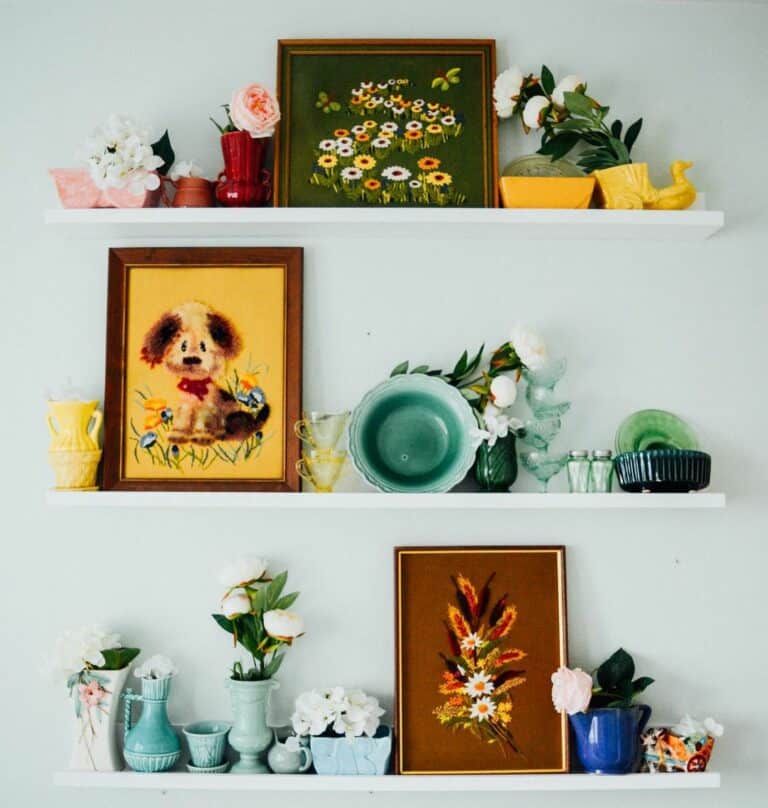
{"type": "Point", "coordinates": [336, 712]}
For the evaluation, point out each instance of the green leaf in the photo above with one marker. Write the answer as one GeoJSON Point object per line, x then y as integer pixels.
{"type": "Point", "coordinates": [399, 369]}
{"type": "Point", "coordinates": [632, 133]}
{"type": "Point", "coordinates": [454, 80]}
{"type": "Point", "coordinates": [116, 659]}
{"type": "Point", "coordinates": [618, 669]}
{"type": "Point", "coordinates": [286, 601]}
{"type": "Point", "coordinates": [273, 666]}
{"type": "Point", "coordinates": [616, 128]}
{"type": "Point", "coordinates": [640, 684]}
{"type": "Point", "coordinates": [322, 96]}
{"type": "Point", "coordinates": [460, 368]}
{"type": "Point", "coordinates": [578, 104]}
{"type": "Point", "coordinates": [453, 72]}
{"type": "Point", "coordinates": [547, 80]}
{"type": "Point", "coordinates": [420, 369]}
{"type": "Point", "coordinates": [620, 150]}
{"type": "Point", "coordinates": [564, 144]}
{"type": "Point", "coordinates": [335, 106]}
{"type": "Point", "coordinates": [573, 124]}
{"type": "Point", "coordinates": [257, 599]}
{"type": "Point", "coordinates": [475, 361]}
{"type": "Point", "coordinates": [274, 590]}
{"type": "Point", "coordinates": [224, 622]}
{"type": "Point", "coordinates": [437, 81]}
{"type": "Point", "coordinates": [162, 148]}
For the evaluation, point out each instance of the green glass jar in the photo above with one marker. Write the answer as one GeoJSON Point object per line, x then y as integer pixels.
{"type": "Point", "coordinates": [496, 466]}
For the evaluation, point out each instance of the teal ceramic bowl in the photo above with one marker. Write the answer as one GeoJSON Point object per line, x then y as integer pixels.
{"type": "Point", "coordinates": [411, 434]}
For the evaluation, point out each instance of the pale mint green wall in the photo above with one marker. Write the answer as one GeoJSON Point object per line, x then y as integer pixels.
{"type": "Point", "coordinates": [681, 326]}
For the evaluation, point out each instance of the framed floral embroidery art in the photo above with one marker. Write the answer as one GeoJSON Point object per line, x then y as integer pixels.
{"type": "Point", "coordinates": [479, 632]}
{"type": "Point", "coordinates": [386, 122]}
{"type": "Point", "coordinates": [203, 381]}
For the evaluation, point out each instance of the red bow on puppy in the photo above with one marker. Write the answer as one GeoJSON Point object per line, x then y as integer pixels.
{"type": "Point", "coordinates": [195, 387]}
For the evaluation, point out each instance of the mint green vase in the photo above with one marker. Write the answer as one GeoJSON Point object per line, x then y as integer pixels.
{"type": "Point", "coordinates": [151, 745]}
{"type": "Point", "coordinates": [250, 735]}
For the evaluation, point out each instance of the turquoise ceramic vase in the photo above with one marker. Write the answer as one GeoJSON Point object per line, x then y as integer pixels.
{"type": "Point", "coordinates": [151, 745]}
{"type": "Point", "coordinates": [250, 735]}
{"type": "Point", "coordinates": [496, 466]}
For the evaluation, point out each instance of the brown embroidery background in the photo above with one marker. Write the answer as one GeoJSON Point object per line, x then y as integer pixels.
{"type": "Point", "coordinates": [534, 577]}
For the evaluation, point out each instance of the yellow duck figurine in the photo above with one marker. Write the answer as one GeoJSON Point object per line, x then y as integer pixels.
{"type": "Point", "coordinates": [629, 187]}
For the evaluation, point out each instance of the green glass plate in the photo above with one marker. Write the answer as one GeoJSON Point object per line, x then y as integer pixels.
{"type": "Point", "coordinates": [647, 430]}
{"type": "Point", "coordinates": [411, 434]}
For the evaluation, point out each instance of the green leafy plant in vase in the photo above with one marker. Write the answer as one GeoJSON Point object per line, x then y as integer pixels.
{"type": "Point", "coordinates": [255, 611]}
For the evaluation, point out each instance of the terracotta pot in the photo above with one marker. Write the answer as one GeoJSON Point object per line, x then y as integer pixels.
{"type": "Point", "coordinates": [243, 182]}
{"type": "Point", "coordinates": [76, 189]}
{"type": "Point", "coordinates": [192, 192]}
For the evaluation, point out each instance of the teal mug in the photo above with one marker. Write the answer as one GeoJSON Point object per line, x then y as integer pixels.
{"type": "Point", "coordinates": [207, 742]}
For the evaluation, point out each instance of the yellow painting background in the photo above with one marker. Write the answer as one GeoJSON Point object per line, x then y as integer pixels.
{"type": "Point", "coordinates": [253, 298]}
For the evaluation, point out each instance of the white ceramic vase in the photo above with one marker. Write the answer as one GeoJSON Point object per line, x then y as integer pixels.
{"type": "Point", "coordinates": [97, 708]}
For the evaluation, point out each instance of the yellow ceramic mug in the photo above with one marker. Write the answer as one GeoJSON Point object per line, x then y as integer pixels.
{"type": "Point", "coordinates": [322, 430]}
{"type": "Point", "coordinates": [321, 468]}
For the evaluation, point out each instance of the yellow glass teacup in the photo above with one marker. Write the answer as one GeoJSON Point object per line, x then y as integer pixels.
{"type": "Point", "coordinates": [321, 468]}
{"type": "Point", "coordinates": [322, 430]}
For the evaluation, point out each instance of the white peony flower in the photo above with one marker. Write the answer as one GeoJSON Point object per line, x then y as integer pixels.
{"type": "Point", "coordinates": [573, 83]}
{"type": "Point", "coordinates": [156, 667]}
{"type": "Point", "coordinates": [76, 650]}
{"type": "Point", "coordinates": [503, 391]}
{"type": "Point", "coordinates": [506, 91]}
{"type": "Point", "coordinates": [235, 604]}
{"type": "Point", "coordinates": [529, 346]}
{"type": "Point", "coordinates": [243, 571]}
{"type": "Point", "coordinates": [283, 625]}
{"type": "Point", "coordinates": [185, 168]}
{"type": "Point", "coordinates": [535, 111]}
{"type": "Point", "coordinates": [571, 690]}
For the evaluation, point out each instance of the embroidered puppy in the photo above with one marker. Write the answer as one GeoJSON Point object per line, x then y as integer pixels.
{"type": "Point", "coordinates": [193, 343]}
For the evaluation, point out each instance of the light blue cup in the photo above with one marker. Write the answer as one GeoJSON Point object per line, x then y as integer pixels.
{"type": "Point", "coordinates": [207, 742]}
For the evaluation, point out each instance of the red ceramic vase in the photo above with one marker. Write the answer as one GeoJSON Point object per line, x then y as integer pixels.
{"type": "Point", "coordinates": [243, 182]}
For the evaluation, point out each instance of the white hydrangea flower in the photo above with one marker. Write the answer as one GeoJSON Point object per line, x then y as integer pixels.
{"type": "Point", "coordinates": [185, 168]}
{"type": "Point", "coordinates": [156, 667]}
{"type": "Point", "coordinates": [76, 650]}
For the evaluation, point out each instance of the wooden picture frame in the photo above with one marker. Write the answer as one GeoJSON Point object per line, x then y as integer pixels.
{"type": "Point", "coordinates": [510, 604]}
{"type": "Point", "coordinates": [203, 369]}
{"type": "Point", "coordinates": [455, 163]}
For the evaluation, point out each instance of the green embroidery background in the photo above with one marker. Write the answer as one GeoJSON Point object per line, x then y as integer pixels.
{"type": "Point", "coordinates": [303, 125]}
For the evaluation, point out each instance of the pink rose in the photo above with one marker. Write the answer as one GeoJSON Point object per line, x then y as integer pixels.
{"type": "Point", "coordinates": [571, 690]}
{"type": "Point", "coordinates": [91, 694]}
{"type": "Point", "coordinates": [255, 110]}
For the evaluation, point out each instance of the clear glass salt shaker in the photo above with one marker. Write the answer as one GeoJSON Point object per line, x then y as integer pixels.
{"type": "Point", "coordinates": [601, 471]}
{"type": "Point", "coordinates": [578, 471]}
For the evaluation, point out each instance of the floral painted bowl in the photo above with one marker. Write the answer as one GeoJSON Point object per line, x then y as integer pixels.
{"type": "Point", "coordinates": [664, 750]}
{"type": "Point", "coordinates": [411, 433]}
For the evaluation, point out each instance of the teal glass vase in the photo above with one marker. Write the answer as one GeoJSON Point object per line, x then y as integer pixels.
{"type": "Point", "coordinates": [151, 745]}
{"type": "Point", "coordinates": [496, 466]}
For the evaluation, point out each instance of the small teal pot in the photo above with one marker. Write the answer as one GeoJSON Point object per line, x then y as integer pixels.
{"type": "Point", "coordinates": [250, 735]}
{"type": "Point", "coordinates": [362, 755]}
{"type": "Point", "coordinates": [152, 744]}
{"type": "Point", "coordinates": [608, 739]}
{"type": "Point", "coordinates": [207, 742]}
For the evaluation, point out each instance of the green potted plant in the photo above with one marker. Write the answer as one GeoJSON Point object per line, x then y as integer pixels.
{"type": "Point", "coordinates": [254, 611]}
{"type": "Point", "coordinates": [606, 721]}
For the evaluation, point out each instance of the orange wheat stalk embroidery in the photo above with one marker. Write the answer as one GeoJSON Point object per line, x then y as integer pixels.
{"type": "Point", "coordinates": [504, 624]}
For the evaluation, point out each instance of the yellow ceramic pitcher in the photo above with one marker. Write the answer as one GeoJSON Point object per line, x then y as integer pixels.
{"type": "Point", "coordinates": [74, 426]}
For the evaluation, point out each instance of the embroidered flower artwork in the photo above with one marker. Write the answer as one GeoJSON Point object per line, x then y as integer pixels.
{"type": "Point", "coordinates": [483, 667]}
{"type": "Point", "coordinates": [389, 157]}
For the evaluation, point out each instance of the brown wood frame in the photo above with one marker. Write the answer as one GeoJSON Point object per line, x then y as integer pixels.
{"type": "Point", "coordinates": [120, 262]}
{"type": "Point", "coordinates": [563, 611]}
{"type": "Point", "coordinates": [489, 43]}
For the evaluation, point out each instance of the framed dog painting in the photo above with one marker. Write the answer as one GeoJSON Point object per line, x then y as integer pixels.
{"type": "Point", "coordinates": [398, 123]}
{"type": "Point", "coordinates": [203, 369]}
{"type": "Point", "coordinates": [479, 633]}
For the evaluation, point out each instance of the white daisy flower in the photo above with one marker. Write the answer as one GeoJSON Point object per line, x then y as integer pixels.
{"type": "Point", "coordinates": [483, 709]}
{"type": "Point", "coordinates": [472, 642]}
{"type": "Point", "coordinates": [327, 145]}
{"type": "Point", "coordinates": [415, 184]}
{"type": "Point", "coordinates": [448, 120]}
{"type": "Point", "coordinates": [431, 114]}
{"type": "Point", "coordinates": [391, 82]}
{"type": "Point", "coordinates": [398, 110]}
{"type": "Point", "coordinates": [396, 173]}
{"type": "Point", "coordinates": [419, 102]}
{"type": "Point", "coordinates": [389, 103]}
{"type": "Point", "coordinates": [389, 126]}
{"type": "Point", "coordinates": [379, 99]}
{"type": "Point", "coordinates": [366, 85]}
{"type": "Point", "coordinates": [414, 126]}
{"type": "Point", "coordinates": [351, 173]}
{"type": "Point", "coordinates": [479, 684]}
{"type": "Point", "coordinates": [356, 92]}
{"type": "Point", "coordinates": [358, 129]}
{"type": "Point", "coordinates": [344, 141]}
{"type": "Point", "coordinates": [382, 85]}
{"type": "Point", "coordinates": [345, 151]}
{"type": "Point", "coordinates": [380, 143]}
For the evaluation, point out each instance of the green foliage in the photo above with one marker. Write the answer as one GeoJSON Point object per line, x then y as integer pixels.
{"type": "Point", "coordinates": [616, 686]}
{"type": "Point", "coordinates": [228, 126]}
{"type": "Point", "coordinates": [443, 81]}
{"type": "Point", "coordinates": [116, 659]}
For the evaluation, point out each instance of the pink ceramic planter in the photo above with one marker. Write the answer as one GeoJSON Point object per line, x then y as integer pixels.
{"type": "Point", "coordinates": [76, 189]}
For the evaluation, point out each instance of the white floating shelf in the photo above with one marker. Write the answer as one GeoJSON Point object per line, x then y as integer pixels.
{"type": "Point", "coordinates": [375, 501]}
{"type": "Point", "coordinates": [254, 223]}
{"type": "Point", "coordinates": [172, 781]}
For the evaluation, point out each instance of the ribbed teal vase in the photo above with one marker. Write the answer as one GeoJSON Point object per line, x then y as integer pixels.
{"type": "Point", "coordinates": [250, 735]}
{"type": "Point", "coordinates": [151, 745]}
{"type": "Point", "coordinates": [496, 466]}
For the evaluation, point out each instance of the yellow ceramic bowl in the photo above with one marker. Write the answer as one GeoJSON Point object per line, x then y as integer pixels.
{"type": "Point", "coordinates": [546, 192]}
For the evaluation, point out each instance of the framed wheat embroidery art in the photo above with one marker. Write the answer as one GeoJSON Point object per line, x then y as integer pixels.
{"type": "Point", "coordinates": [479, 632]}
{"type": "Point", "coordinates": [203, 379]}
